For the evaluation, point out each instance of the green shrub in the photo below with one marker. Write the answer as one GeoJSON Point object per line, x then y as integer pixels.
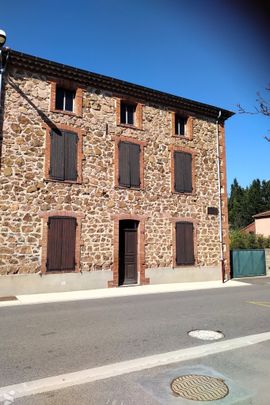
{"type": "Point", "coordinates": [242, 240]}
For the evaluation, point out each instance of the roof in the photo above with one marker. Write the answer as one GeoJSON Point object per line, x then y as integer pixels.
{"type": "Point", "coordinates": [265, 214]}
{"type": "Point", "coordinates": [249, 228]}
{"type": "Point", "coordinates": [58, 70]}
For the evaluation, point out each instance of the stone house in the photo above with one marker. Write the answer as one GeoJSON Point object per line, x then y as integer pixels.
{"type": "Point", "coordinates": [107, 183]}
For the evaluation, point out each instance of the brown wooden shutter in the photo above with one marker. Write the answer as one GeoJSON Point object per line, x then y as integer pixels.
{"type": "Point", "coordinates": [134, 164]}
{"type": "Point", "coordinates": [57, 156]}
{"type": "Point", "coordinates": [68, 244]}
{"type": "Point", "coordinates": [54, 245]}
{"type": "Point", "coordinates": [182, 172]}
{"type": "Point", "coordinates": [71, 140]}
{"type": "Point", "coordinates": [188, 172]}
{"type": "Point", "coordinates": [61, 244]}
{"type": "Point", "coordinates": [184, 243]}
{"type": "Point", "coordinates": [124, 171]}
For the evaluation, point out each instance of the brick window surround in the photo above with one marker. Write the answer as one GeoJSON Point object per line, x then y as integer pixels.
{"type": "Point", "coordinates": [44, 239]}
{"type": "Point", "coordinates": [138, 121]}
{"type": "Point", "coordinates": [142, 144]}
{"type": "Point", "coordinates": [195, 237]}
{"type": "Point", "coordinates": [188, 127]}
{"type": "Point", "coordinates": [141, 248]}
{"type": "Point", "coordinates": [173, 149]}
{"type": "Point", "coordinates": [79, 133]}
{"type": "Point", "coordinates": [69, 85]}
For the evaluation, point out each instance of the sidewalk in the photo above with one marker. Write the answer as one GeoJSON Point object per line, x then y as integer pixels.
{"type": "Point", "coordinates": [116, 292]}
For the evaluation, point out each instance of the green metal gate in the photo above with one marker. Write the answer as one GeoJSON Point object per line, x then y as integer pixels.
{"type": "Point", "coordinates": [248, 262]}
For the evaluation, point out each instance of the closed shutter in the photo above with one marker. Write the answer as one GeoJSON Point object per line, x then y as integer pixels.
{"type": "Point", "coordinates": [134, 164]}
{"type": "Point", "coordinates": [54, 246]}
{"type": "Point", "coordinates": [182, 172]}
{"type": "Point", "coordinates": [124, 172]}
{"type": "Point", "coordinates": [61, 244]}
{"type": "Point", "coordinates": [68, 244]}
{"type": "Point", "coordinates": [188, 172]}
{"type": "Point", "coordinates": [129, 164]}
{"type": "Point", "coordinates": [71, 140]}
{"type": "Point", "coordinates": [184, 243]}
{"type": "Point", "coordinates": [57, 156]}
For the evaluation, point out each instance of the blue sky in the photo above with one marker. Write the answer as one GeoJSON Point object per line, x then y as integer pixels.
{"type": "Point", "coordinates": [205, 50]}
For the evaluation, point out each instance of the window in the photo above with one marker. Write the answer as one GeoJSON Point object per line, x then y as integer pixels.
{"type": "Point", "coordinates": [180, 125]}
{"type": "Point", "coordinates": [61, 244]}
{"type": "Point", "coordinates": [65, 99]}
{"type": "Point", "coordinates": [129, 164]}
{"type": "Point", "coordinates": [127, 113]}
{"type": "Point", "coordinates": [184, 243]}
{"type": "Point", "coordinates": [63, 155]}
{"type": "Point", "coordinates": [183, 172]}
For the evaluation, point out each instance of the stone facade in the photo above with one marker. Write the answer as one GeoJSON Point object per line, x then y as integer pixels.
{"type": "Point", "coordinates": [28, 197]}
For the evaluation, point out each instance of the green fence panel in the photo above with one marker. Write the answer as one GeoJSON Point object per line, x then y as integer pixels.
{"type": "Point", "coordinates": [248, 262]}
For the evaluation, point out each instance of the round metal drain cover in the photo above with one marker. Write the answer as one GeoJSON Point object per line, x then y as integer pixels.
{"type": "Point", "coordinates": [206, 334]}
{"type": "Point", "coordinates": [199, 387]}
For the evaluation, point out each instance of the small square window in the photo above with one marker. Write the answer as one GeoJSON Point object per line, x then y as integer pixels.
{"type": "Point", "coordinates": [64, 99]}
{"type": "Point", "coordinates": [180, 125]}
{"type": "Point", "coordinates": [127, 113]}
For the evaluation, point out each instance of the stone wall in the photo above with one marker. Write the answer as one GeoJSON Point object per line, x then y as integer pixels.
{"type": "Point", "coordinates": [267, 262]}
{"type": "Point", "coordinates": [25, 194]}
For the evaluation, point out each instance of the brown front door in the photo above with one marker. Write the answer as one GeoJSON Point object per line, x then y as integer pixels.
{"type": "Point", "coordinates": [128, 241]}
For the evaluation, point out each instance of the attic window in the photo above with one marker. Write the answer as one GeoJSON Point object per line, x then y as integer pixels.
{"type": "Point", "coordinates": [180, 125]}
{"type": "Point", "coordinates": [64, 99]}
{"type": "Point", "coordinates": [127, 114]}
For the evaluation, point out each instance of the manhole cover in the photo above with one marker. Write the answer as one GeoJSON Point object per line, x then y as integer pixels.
{"type": "Point", "coordinates": [199, 387]}
{"type": "Point", "coordinates": [206, 334]}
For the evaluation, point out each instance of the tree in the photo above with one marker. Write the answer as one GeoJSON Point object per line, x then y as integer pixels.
{"type": "Point", "coordinates": [263, 107]}
{"type": "Point", "coordinates": [237, 206]}
{"type": "Point", "coordinates": [243, 203]}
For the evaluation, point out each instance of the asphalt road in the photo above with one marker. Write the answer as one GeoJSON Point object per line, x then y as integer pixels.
{"type": "Point", "coordinates": [44, 340]}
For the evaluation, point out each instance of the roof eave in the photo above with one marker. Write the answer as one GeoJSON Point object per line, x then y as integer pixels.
{"type": "Point", "coordinates": [84, 77]}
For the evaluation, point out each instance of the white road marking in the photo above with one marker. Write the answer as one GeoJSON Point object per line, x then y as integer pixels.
{"type": "Point", "coordinates": [260, 303]}
{"type": "Point", "coordinates": [129, 366]}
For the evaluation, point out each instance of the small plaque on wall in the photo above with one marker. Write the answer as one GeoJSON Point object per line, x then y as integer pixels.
{"type": "Point", "coordinates": [212, 211]}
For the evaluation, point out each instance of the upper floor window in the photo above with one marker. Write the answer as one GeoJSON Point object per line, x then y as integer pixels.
{"type": "Point", "coordinates": [129, 165]}
{"type": "Point", "coordinates": [127, 113]}
{"type": "Point", "coordinates": [183, 172]}
{"type": "Point", "coordinates": [63, 155]}
{"type": "Point", "coordinates": [65, 99]}
{"type": "Point", "coordinates": [180, 125]}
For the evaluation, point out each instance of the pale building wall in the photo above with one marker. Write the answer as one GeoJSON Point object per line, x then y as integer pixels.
{"type": "Point", "coordinates": [262, 226]}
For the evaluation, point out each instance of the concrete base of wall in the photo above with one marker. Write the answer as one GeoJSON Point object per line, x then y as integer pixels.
{"type": "Point", "coordinates": [183, 274]}
{"type": "Point", "coordinates": [36, 284]}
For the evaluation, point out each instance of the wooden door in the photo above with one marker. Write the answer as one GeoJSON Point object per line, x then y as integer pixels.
{"type": "Point", "coordinates": [128, 253]}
